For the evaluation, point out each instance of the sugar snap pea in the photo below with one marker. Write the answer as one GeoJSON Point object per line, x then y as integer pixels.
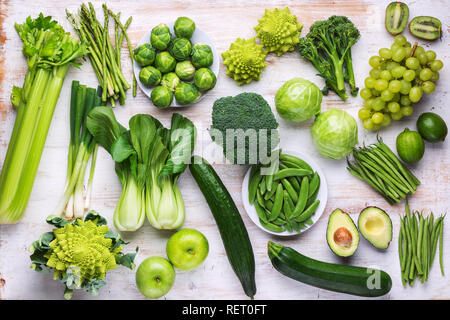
{"type": "Point", "coordinates": [302, 197]}
{"type": "Point", "coordinates": [294, 182]}
{"type": "Point", "coordinates": [260, 199]}
{"type": "Point", "coordinates": [288, 187]}
{"type": "Point", "coordinates": [268, 204]}
{"type": "Point", "coordinates": [277, 204]}
{"type": "Point", "coordinates": [271, 226]}
{"type": "Point", "coordinates": [290, 172]}
{"type": "Point", "coordinates": [295, 160]}
{"type": "Point", "coordinates": [286, 207]}
{"type": "Point", "coordinates": [308, 212]}
{"type": "Point", "coordinates": [253, 183]}
{"type": "Point", "coordinates": [262, 185]}
{"type": "Point", "coordinates": [314, 183]}
{"type": "Point", "coordinates": [261, 212]}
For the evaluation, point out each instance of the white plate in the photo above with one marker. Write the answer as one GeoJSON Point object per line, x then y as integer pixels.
{"type": "Point", "coordinates": [199, 36]}
{"type": "Point", "coordinates": [322, 196]}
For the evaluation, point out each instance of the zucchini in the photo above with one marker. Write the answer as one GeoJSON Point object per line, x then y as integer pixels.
{"type": "Point", "coordinates": [357, 281]}
{"type": "Point", "coordinates": [229, 221]}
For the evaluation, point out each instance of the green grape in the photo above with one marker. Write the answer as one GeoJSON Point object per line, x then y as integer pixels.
{"type": "Point", "coordinates": [399, 55]}
{"type": "Point", "coordinates": [376, 127]}
{"type": "Point", "coordinates": [386, 120]}
{"type": "Point", "coordinates": [395, 47]}
{"type": "Point", "coordinates": [393, 107]}
{"type": "Point", "coordinates": [431, 55]}
{"type": "Point", "coordinates": [381, 84]}
{"type": "Point", "coordinates": [375, 92]}
{"type": "Point", "coordinates": [404, 100]}
{"type": "Point", "coordinates": [409, 75]}
{"type": "Point", "coordinates": [398, 72]}
{"type": "Point", "coordinates": [408, 51]}
{"type": "Point", "coordinates": [378, 104]}
{"type": "Point", "coordinates": [391, 65]}
{"type": "Point", "coordinates": [386, 75]}
{"type": "Point", "coordinates": [422, 58]}
{"type": "Point", "coordinates": [396, 115]}
{"type": "Point", "coordinates": [365, 93]}
{"type": "Point", "coordinates": [396, 97]}
{"type": "Point", "coordinates": [375, 73]}
{"type": "Point", "coordinates": [417, 71]}
{"type": "Point", "coordinates": [408, 44]}
{"type": "Point", "coordinates": [369, 82]}
{"type": "Point", "coordinates": [369, 103]}
{"type": "Point", "coordinates": [364, 113]}
{"type": "Point", "coordinates": [377, 118]}
{"type": "Point", "coordinates": [419, 51]}
{"type": "Point", "coordinates": [436, 65]}
{"type": "Point", "coordinates": [375, 61]}
{"type": "Point", "coordinates": [412, 63]}
{"type": "Point", "coordinates": [406, 87]}
{"type": "Point", "coordinates": [428, 87]}
{"type": "Point", "coordinates": [385, 53]}
{"type": "Point", "coordinates": [400, 40]}
{"type": "Point", "coordinates": [386, 95]}
{"type": "Point", "coordinates": [415, 94]}
{"type": "Point", "coordinates": [406, 110]}
{"type": "Point", "coordinates": [368, 124]}
{"type": "Point", "coordinates": [435, 76]}
{"type": "Point", "coordinates": [425, 74]}
{"type": "Point", "coordinates": [395, 86]}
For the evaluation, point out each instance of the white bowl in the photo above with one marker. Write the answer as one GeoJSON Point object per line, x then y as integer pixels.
{"type": "Point", "coordinates": [322, 196]}
{"type": "Point", "coordinates": [199, 36]}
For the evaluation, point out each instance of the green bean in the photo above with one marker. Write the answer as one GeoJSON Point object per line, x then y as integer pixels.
{"type": "Point", "coordinates": [288, 187]}
{"type": "Point", "coordinates": [410, 257]}
{"type": "Point", "coordinates": [261, 212]}
{"type": "Point", "coordinates": [419, 240]}
{"type": "Point", "coordinates": [425, 250]}
{"type": "Point", "coordinates": [401, 254]}
{"type": "Point", "coordinates": [271, 226]}
{"type": "Point", "coordinates": [435, 237]}
{"type": "Point", "coordinates": [308, 212]}
{"type": "Point", "coordinates": [441, 248]}
{"type": "Point", "coordinates": [302, 197]}
{"type": "Point", "coordinates": [284, 173]}
{"type": "Point", "coordinates": [295, 160]}
{"type": "Point", "coordinates": [253, 184]}
{"type": "Point", "coordinates": [277, 204]}
{"type": "Point", "coordinates": [314, 183]}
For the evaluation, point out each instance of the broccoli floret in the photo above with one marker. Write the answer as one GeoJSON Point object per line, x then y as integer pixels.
{"type": "Point", "coordinates": [234, 117]}
{"type": "Point", "coordinates": [328, 47]}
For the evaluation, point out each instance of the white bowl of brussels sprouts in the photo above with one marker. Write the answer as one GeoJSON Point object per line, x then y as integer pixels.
{"type": "Point", "coordinates": [176, 64]}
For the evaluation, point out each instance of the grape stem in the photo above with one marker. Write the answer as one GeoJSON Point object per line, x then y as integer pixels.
{"type": "Point", "coordinates": [413, 49]}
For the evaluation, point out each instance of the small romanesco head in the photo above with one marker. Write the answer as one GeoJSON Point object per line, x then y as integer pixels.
{"type": "Point", "coordinates": [82, 246]}
{"type": "Point", "coordinates": [244, 60]}
{"type": "Point", "coordinates": [279, 30]}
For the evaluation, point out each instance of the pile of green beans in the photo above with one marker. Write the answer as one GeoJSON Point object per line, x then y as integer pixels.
{"type": "Point", "coordinates": [417, 243]}
{"type": "Point", "coordinates": [380, 168]}
{"type": "Point", "coordinates": [285, 199]}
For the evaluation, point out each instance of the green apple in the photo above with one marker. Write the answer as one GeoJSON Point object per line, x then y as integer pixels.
{"type": "Point", "coordinates": [155, 277]}
{"type": "Point", "coordinates": [187, 249]}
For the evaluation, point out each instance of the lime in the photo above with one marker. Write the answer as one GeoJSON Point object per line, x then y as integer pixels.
{"type": "Point", "coordinates": [410, 146]}
{"type": "Point", "coordinates": [432, 127]}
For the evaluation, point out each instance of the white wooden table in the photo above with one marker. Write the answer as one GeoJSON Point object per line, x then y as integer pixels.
{"type": "Point", "coordinates": [224, 21]}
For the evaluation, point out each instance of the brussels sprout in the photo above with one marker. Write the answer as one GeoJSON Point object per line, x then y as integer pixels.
{"type": "Point", "coordinates": [202, 55]}
{"type": "Point", "coordinates": [186, 93]}
{"type": "Point", "coordinates": [180, 48]}
{"type": "Point", "coordinates": [144, 55]}
{"type": "Point", "coordinates": [160, 37]}
{"type": "Point", "coordinates": [170, 81]}
{"type": "Point", "coordinates": [161, 97]}
{"type": "Point", "coordinates": [184, 27]}
{"type": "Point", "coordinates": [164, 62]}
{"type": "Point", "coordinates": [150, 76]}
{"type": "Point", "coordinates": [204, 79]}
{"type": "Point", "coordinates": [185, 70]}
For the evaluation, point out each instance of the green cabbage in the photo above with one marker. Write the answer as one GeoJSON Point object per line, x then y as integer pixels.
{"type": "Point", "coordinates": [298, 100]}
{"type": "Point", "coordinates": [334, 133]}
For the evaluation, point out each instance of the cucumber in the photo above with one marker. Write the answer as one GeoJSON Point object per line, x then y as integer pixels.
{"type": "Point", "coordinates": [231, 227]}
{"type": "Point", "coordinates": [357, 281]}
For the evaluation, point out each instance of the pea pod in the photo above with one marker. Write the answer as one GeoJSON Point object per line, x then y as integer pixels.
{"type": "Point", "coordinates": [269, 204]}
{"type": "Point", "coordinates": [262, 185]}
{"type": "Point", "coordinates": [308, 212]}
{"type": "Point", "coordinates": [271, 226]}
{"type": "Point", "coordinates": [297, 161]}
{"type": "Point", "coordinates": [277, 204]}
{"type": "Point", "coordinates": [302, 197]}
{"type": "Point", "coordinates": [314, 183]}
{"type": "Point", "coordinates": [286, 207]}
{"type": "Point", "coordinates": [270, 193]}
{"type": "Point", "coordinates": [290, 172]}
{"type": "Point", "coordinates": [288, 187]}
{"type": "Point", "coordinates": [261, 212]}
{"type": "Point", "coordinates": [255, 178]}
{"type": "Point", "coordinates": [294, 182]}
{"type": "Point", "coordinates": [259, 199]}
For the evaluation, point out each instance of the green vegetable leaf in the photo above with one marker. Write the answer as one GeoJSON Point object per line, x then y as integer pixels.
{"type": "Point", "coordinates": [96, 218]}
{"type": "Point", "coordinates": [127, 260]}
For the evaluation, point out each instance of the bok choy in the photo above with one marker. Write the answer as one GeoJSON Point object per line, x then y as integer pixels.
{"type": "Point", "coordinates": [49, 51]}
{"type": "Point", "coordinates": [149, 159]}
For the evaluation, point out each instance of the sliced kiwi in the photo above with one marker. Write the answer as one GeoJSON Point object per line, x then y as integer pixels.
{"type": "Point", "coordinates": [425, 27]}
{"type": "Point", "coordinates": [397, 15]}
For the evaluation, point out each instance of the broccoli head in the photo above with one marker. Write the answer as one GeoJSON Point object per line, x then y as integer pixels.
{"type": "Point", "coordinates": [245, 127]}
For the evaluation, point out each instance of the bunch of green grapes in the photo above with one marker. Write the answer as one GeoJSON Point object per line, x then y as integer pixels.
{"type": "Point", "coordinates": [399, 77]}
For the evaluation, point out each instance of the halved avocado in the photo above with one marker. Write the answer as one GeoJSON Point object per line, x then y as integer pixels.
{"type": "Point", "coordinates": [376, 226]}
{"type": "Point", "coordinates": [342, 234]}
